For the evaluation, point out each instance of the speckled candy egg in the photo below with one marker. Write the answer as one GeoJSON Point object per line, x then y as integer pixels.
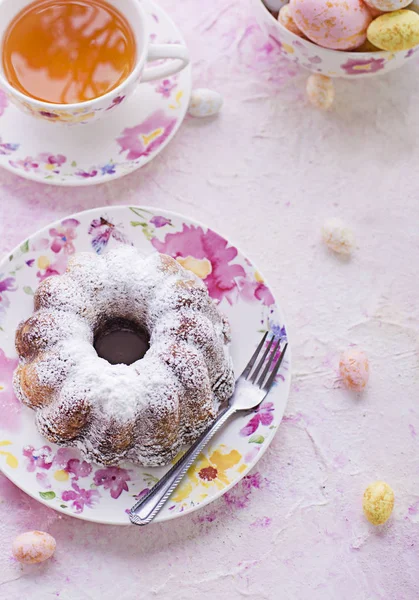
{"type": "Point", "coordinates": [387, 5]}
{"type": "Point", "coordinates": [33, 547]}
{"type": "Point", "coordinates": [338, 237]}
{"type": "Point", "coordinates": [378, 502]}
{"type": "Point", "coordinates": [320, 91]}
{"type": "Point", "coordinates": [398, 30]}
{"type": "Point", "coordinates": [205, 103]}
{"type": "Point", "coordinates": [354, 369]}
{"type": "Point", "coordinates": [286, 20]}
{"type": "Point", "coordinates": [337, 24]}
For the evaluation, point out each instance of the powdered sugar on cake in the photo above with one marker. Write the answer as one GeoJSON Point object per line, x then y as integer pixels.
{"type": "Point", "coordinates": [145, 411]}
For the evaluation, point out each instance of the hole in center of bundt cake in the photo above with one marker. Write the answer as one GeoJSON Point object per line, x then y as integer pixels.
{"type": "Point", "coordinates": [121, 341]}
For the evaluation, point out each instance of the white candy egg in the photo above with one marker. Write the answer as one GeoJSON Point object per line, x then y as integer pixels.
{"type": "Point", "coordinates": [275, 5]}
{"type": "Point", "coordinates": [33, 547]}
{"type": "Point", "coordinates": [338, 237]}
{"type": "Point", "coordinates": [205, 103]}
{"type": "Point", "coordinates": [320, 91]}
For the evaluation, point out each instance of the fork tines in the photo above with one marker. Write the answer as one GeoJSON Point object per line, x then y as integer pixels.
{"type": "Point", "coordinates": [269, 362]}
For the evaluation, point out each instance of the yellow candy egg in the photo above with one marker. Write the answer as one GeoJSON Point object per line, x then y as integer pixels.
{"type": "Point", "coordinates": [378, 502]}
{"type": "Point", "coordinates": [320, 91]}
{"type": "Point", "coordinates": [398, 30]}
{"type": "Point", "coordinates": [33, 547]}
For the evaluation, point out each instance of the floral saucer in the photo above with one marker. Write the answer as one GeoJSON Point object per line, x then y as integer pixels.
{"type": "Point", "coordinates": [59, 477]}
{"type": "Point", "coordinates": [124, 140]}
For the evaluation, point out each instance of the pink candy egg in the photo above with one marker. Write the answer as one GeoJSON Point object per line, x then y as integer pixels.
{"type": "Point", "coordinates": [336, 24]}
{"type": "Point", "coordinates": [354, 369]}
{"type": "Point", "coordinates": [33, 547]}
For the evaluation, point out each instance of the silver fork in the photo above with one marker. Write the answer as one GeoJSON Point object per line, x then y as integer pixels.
{"type": "Point", "coordinates": [249, 393]}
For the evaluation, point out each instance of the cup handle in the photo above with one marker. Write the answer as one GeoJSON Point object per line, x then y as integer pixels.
{"type": "Point", "coordinates": [177, 52]}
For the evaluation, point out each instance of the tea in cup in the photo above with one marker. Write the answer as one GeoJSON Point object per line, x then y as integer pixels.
{"type": "Point", "coordinates": [72, 60]}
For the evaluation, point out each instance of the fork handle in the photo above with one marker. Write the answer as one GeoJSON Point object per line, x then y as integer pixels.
{"type": "Point", "coordinates": [144, 511]}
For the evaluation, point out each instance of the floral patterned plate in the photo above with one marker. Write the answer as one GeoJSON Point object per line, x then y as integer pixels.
{"type": "Point", "coordinates": [60, 477]}
{"type": "Point", "coordinates": [89, 153]}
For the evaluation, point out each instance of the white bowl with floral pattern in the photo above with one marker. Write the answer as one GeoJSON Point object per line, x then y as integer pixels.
{"type": "Point", "coordinates": [60, 477]}
{"type": "Point", "coordinates": [333, 63]}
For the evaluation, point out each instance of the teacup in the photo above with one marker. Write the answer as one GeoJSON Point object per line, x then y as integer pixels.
{"type": "Point", "coordinates": [90, 110]}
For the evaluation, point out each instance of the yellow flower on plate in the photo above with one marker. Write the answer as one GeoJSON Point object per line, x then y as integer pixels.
{"type": "Point", "coordinates": [208, 472]}
{"type": "Point", "coordinates": [61, 475]}
{"type": "Point", "coordinates": [43, 262]}
{"type": "Point", "coordinates": [201, 267]}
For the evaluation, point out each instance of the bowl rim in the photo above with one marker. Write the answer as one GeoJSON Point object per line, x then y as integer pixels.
{"type": "Point", "coordinates": [350, 53]}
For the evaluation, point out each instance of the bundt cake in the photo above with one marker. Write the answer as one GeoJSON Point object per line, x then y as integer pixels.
{"type": "Point", "coordinates": [144, 411]}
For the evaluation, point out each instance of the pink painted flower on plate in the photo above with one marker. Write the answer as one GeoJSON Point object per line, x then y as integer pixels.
{"type": "Point", "coordinates": [86, 174]}
{"type": "Point", "coordinates": [38, 459]}
{"type": "Point", "coordinates": [143, 493]}
{"type": "Point", "coordinates": [27, 164]}
{"type": "Point", "coordinates": [63, 236]}
{"type": "Point", "coordinates": [147, 137]}
{"type": "Point", "coordinates": [199, 246]}
{"type": "Point", "coordinates": [51, 159]}
{"type": "Point", "coordinates": [80, 497]}
{"type": "Point", "coordinates": [52, 162]}
{"type": "Point", "coordinates": [251, 289]}
{"type": "Point", "coordinates": [158, 221]}
{"type": "Point", "coordinates": [3, 102]}
{"type": "Point", "coordinates": [113, 479]}
{"type": "Point", "coordinates": [103, 230]}
{"type": "Point", "coordinates": [10, 406]}
{"type": "Point", "coordinates": [7, 148]}
{"type": "Point", "coordinates": [165, 87]}
{"type": "Point", "coordinates": [78, 468]}
{"type": "Point", "coordinates": [357, 66]}
{"type": "Point", "coordinates": [262, 416]}
{"type": "Point", "coordinates": [62, 456]}
{"type": "Point", "coordinates": [48, 269]}
{"type": "Point", "coordinates": [8, 284]}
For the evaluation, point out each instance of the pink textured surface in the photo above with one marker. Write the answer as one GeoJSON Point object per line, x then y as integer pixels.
{"type": "Point", "coordinates": [267, 173]}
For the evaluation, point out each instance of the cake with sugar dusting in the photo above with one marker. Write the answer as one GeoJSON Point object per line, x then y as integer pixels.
{"type": "Point", "coordinates": [143, 411]}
